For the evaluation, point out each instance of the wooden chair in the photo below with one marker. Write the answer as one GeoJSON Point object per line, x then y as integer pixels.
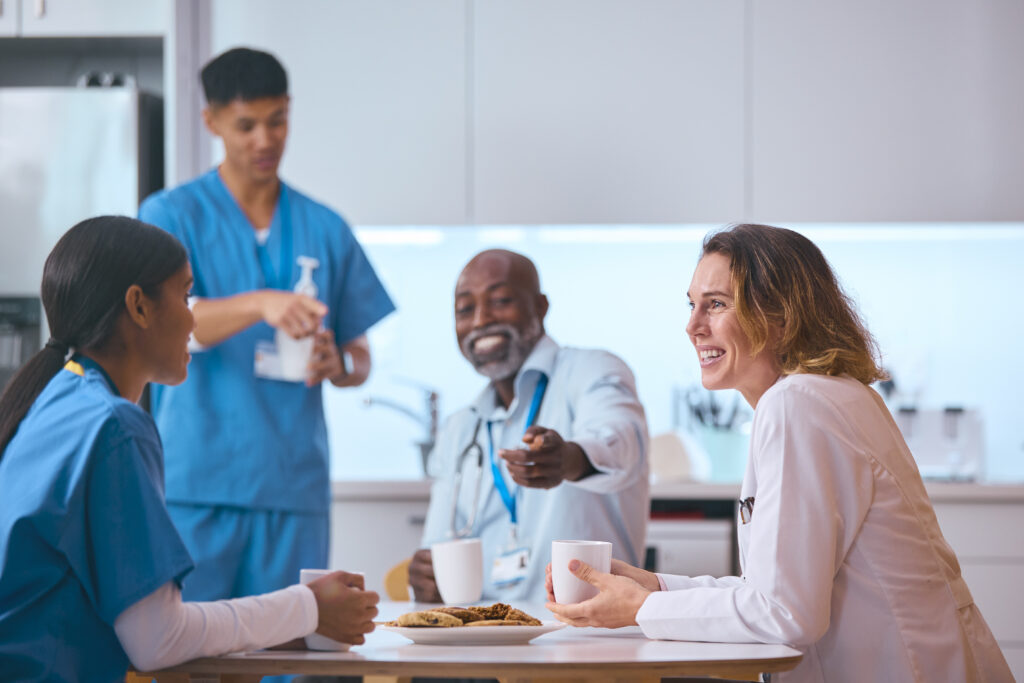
{"type": "Point", "coordinates": [396, 581]}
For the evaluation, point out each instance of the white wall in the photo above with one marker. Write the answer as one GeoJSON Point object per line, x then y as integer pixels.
{"type": "Point", "coordinates": [464, 113]}
{"type": "Point", "coordinates": [942, 300]}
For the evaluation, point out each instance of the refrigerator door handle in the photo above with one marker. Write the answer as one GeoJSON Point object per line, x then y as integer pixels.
{"type": "Point", "coordinates": [40, 9]}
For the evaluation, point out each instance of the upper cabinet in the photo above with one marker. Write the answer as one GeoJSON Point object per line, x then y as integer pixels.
{"type": "Point", "coordinates": [882, 111]}
{"type": "Point", "coordinates": [645, 111]}
{"type": "Point", "coordinates": [603, 111]}
{"type": "Point", "coordinates": [84, 18]}
{"type": "Point", "coordinates": [378, 109]}
{"type": "Point", "coordinates": [9, 18]}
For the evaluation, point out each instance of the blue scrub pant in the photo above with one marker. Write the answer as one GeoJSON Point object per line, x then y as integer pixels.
{"type": "Point", "coordinates": [239, 551]}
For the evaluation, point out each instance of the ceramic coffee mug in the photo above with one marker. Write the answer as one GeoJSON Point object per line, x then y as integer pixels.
{"type": "Point", "coordinates": [459, 570]}
{"type": "Point", "coordinates": [569, 589]}
{"type": "Point", "coordinates": [315, 641]}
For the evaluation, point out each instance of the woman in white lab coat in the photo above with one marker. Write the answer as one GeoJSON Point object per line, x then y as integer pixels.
{"type": "Point", "coordinates": [841, 553]}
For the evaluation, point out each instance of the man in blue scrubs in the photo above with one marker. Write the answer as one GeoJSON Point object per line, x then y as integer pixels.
{"type": "Point", "coordinates": [246, 451]}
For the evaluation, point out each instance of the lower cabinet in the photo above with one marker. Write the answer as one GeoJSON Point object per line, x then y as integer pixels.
{"type": "Point", "coordinates": [988, 538]}
{"type": "Point", "coordinates": [375, 525]}
{"type": "Point", "coordinates": [373, 535]}
{"type": "Point", "coordinates": [696, 547]}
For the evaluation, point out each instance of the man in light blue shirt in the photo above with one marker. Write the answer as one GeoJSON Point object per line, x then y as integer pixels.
{"type": "Point", "coordinates": [246, 447]}
{"type": "Point", "coordinates": [554, 448]}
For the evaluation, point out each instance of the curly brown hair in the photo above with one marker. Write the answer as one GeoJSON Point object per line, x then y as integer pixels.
{"type": "Point", "coordinates": [782, 280]}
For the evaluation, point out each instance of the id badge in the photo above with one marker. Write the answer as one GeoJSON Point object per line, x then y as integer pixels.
{"type": "Point", "coordinates": [267, 363]}
{"type": "Point", "coordinates": [510, 567]}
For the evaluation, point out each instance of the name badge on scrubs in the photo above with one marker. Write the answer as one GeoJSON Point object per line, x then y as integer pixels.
{"type": "Point", "coordinates": [510, 567]}
{"type": "Point", "coordinates": [267, 361]}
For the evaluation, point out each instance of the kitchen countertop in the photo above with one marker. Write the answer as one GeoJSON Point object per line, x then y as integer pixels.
{"type": "Point", "coordinates": [419, 489]}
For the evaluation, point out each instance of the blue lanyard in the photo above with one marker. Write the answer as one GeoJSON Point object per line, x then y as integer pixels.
{"type": "Point", "coordinates": [282, 278]}
{"type": "Point", "coordinates": [508, 497]}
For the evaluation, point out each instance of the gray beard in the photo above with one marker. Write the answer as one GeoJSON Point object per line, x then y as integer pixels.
{"type": "Point", "coordinates": [519, 347]}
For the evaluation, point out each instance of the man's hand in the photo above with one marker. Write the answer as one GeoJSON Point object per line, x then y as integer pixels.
{"type": "Point", "coordinates": [345, 611]}
{"type": "Point", "coordinates": [297, 314]}
{"type": "Point", "coordinates": [617, 603]}
{"type": "Point", "coordinates": [326, 362]}
{"type": "Point", "coordinates": [421, 577]}
{"type": "Point", "coordinates": [548, 461]}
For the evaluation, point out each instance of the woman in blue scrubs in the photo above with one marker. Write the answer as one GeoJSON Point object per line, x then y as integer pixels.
{"type": "Point", "coordinates": [90, 563]}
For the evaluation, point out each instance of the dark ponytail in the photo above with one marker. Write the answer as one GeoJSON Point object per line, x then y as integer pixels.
{"type": "Point", "coordinates": [85, 280]}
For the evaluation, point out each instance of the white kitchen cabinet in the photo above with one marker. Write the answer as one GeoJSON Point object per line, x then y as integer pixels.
{"type": "Point", "coordinates": [88, 18]}
{"type": "Point", "coordinates": [691, 547]}
{"type": "Point", "coordinates": [603, 111]}
{"type": "Point", "coordinates": [378, 116]}
{"type": "Point", "coordinates": [376, 525]}
{"type": "Point", "coordinates": [988, 538]}
{"type": "Point", "coordinates": [9, 18]}
{"type": "Point", "coordinates": [882, 111]}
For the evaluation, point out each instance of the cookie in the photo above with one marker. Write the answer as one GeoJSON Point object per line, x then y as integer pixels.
{"type": "Point", "coordinates": [501, 622]}
{"type": "Point", "coordinates": [496, 611]}
{"type": "Point", "coordinates": [428, 618]}
{"type": "Point", "coordinates": [514, 614]}
{"type": "Point", "coordinates": [463, 614]}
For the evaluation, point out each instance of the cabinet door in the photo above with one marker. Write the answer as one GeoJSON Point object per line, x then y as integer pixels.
{"type": "Point", "coordinates": [9, 17]}
{"type": "Point", "coordinates": [378, 101]}
{"type": "Point", "coordinates": [607, 111]}
{"type": "Point", "coordinates": [373, 535]}
{"type": "Point", "coordinates": [100, 18]}
{"type": "Point", "coordinates": [882, 111]}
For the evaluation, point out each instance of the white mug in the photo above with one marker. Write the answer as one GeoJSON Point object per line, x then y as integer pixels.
{"type": "Point", "coordinates": [568, 589]}
{"type": "Point", "coordinates": [315, 641]}
{"type": "Point", "coordinates": [459, 570]}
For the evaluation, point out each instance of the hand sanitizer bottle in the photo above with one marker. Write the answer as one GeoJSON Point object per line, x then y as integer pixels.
{"type": "Point", "coordinates": [295, 353]}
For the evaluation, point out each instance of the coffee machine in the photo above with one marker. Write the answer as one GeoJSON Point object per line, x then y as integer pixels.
{"type": "Point", "coordinates": [20, 334]}
{"type": "Point", "coordinates": [947, 443]}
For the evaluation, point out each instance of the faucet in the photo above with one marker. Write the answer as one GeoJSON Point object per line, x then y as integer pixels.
{"type": "Point", "coordinates": [426, 417]}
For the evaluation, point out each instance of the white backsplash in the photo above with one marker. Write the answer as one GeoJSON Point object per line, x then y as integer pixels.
{"type": "Point", "coordinates": [944, 301]}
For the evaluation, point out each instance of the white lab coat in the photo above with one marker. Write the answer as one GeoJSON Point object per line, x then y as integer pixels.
{"type": "Point", "coordinates": [842, 557]}
{"type": "Point", "coordinates": [591, 400]}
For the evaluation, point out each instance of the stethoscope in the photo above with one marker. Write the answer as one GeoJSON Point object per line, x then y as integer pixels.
{"type": "Point", "coordinates": [474, 451]}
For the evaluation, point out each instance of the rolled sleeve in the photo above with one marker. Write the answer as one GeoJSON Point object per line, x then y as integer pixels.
{"type": "Point", "coordinates": [611, 428]}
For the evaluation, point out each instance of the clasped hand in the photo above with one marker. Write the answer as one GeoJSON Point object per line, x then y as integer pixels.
{"type": "Point", "coordinates": [300, 316]}
{"type": "Point", "coordinates": [297, 315]}
{"type": "Point", "coordinates": [421, 577]}
{"type": "Point", "coordinates": [345, 611]}
{"type": "Point", "coordinates": [621, 594]}
{"type": "Point", "coordinates": [547, 461]}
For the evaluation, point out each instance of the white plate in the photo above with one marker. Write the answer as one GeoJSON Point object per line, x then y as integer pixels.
{"type": "Point", "coordinates": [474, 635]}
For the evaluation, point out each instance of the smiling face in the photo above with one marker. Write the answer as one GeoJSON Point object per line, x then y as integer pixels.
{"type": "Point", "coordinates": [722, 346]}
{"type": "Point", "coordinates": [498, 313]}
{"type": "Point", "coordinates": [254, 133]}
{"type": "Point", "coordinates": [167, 341]}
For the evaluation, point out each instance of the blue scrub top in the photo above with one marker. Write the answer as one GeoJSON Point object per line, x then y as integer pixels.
{"type": "Point", "coordinates": [232, 438]}
{"type": "Point", "coordinates": [84, 532]}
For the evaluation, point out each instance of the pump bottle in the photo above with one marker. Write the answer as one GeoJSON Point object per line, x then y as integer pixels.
{"type": "Point", "coordinates": [294, 353]}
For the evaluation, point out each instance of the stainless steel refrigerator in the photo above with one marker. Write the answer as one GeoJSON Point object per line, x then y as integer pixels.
{"type": "Point", "coordinates": [65, 154]}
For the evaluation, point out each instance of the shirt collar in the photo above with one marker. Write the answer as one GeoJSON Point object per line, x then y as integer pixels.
{"type": "Point", "coordinates": [80, 364]}
{"type": "Point", "coordinates": [541, 361]}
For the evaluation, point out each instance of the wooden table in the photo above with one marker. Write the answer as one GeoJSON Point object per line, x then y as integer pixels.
{"type": "Point", "coordinates": [570, 654]}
